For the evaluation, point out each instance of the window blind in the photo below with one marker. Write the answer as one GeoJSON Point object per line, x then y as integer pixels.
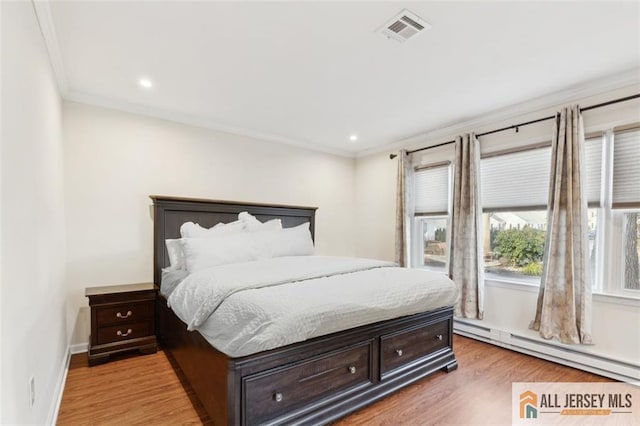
{"type": "Point", "coordinates": [432, 190]}
{"type": "Point", "coordinates": [518, 180]}
{"type": "Point", "coordinates": [626, 169]}
{"type": "Point", "coordinates": [593, 177]}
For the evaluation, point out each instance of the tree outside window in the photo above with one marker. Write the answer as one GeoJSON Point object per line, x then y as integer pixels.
{"type": "Point", "coordinates": [514, 243]}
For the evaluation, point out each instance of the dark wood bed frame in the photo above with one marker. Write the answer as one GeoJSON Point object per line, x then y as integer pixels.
{"type": "Point", "coordinates": [312, 382]}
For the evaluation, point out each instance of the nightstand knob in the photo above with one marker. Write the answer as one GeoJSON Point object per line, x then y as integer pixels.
{"type": "Point", "coordinates": [121, 334]}
{"type": "Point", "coordinates": [439, 337]}
{"type": "Point", "coordinates": [277, 397]}
{"type": "Point", "coordinates": [399, 352]}
{"type": "Point", "coordinates": [352, 369]}
{"type": "Point", "coordinates": [129, 313]}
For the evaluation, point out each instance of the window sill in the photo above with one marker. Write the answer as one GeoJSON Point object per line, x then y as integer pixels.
{"type": "Point", "coordinates": [432, 269]}
{"type": "Point", "coordinates": [512, 285]}
{"type": "Point", "coordinates": [618, 299]}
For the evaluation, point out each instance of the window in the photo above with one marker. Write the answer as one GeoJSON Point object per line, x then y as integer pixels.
{"type": "Point", "coordinates": [514, 244]}
{"type": "Point", "coordinates": [515, 190]}
{"type": "Point", "coordinates": [431, 224]}
{"type": "Point", "coordinates": [514, 195]}
{"type": "Point", "coordinates": [434, 244]}
{"type": "Point", "coordinates": [624, 226]}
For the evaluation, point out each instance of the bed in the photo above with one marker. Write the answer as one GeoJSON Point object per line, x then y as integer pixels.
{"type": "Point", "coordinates": [315, 381]}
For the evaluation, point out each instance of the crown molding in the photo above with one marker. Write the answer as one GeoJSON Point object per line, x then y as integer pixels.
{"type": "Point", "coordinates": [45, 21]}
{"type": "Point", "coordinates": [568, 95]}
{"type": "Point", "coordinates": [428, 137]}
{"type": "Point", "coordinates": [198, 121]}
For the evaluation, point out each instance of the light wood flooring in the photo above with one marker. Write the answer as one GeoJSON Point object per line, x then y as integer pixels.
{"type": "Point", "coordinates": [144, 389]}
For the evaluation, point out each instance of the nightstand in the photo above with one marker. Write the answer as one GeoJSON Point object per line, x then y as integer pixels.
{"type": "Point", "coordinates": [122, 319]}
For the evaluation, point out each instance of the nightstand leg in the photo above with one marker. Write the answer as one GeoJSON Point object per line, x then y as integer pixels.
{"type": "Point", "coordinates": [97, 359]}
{"type": "Point", "coordinates": [150, 349]}
{"type": "Point", "coordinates": [450, 367]}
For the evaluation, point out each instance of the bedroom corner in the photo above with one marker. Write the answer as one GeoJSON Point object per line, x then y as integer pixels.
{"type": "Point", "coordinates": [33, 224]}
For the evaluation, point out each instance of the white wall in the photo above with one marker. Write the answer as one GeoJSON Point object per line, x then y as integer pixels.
{"type": "Point", "coordinates": [34, 338]}
{"type": "Point", "coordinates": [615, 323]}
{"type": "Point", "coordinates": [115, 160]}
{"type": "Point", "coordinates": [376, 177]}
{"type": "Point", "coordinates": [507, 308]}
{"type": "Point", "coordinates": [1, 139]}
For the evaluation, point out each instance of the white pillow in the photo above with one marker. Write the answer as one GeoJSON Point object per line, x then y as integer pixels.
{"type": "Point", "coordinates": [201, 253]}
{"type": "Point", "coordinates": [176, 253]}
{"type": "Point", "coordinates": [194, 230]}
{"type": "Point", "coordinates": [294, 241]}
{"type": "Point", "coordinates": [247, 218]}
{"type": "Point", "coordinates": [273, 224]}
{"type": "Point", "coordinates": [251, 224]}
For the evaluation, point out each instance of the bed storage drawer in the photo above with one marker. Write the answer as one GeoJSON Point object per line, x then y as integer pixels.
{"type": "Point", "coordinates": [272, 393]}
{"type": "Point", "coordinates": [402, 347]}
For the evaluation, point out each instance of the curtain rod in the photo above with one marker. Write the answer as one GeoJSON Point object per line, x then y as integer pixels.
{"type": "Point", "coordinates": [517, 126]}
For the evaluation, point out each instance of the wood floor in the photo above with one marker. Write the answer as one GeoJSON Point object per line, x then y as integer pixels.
{"type": "Point", "coordinates": [144, 389]}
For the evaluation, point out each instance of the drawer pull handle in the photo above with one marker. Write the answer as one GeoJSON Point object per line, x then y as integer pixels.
{"type": "Point", "coordinates": [352, 369]}
{"type": "Point", "coordinates": [129, 313]}
{"type": "Point", "coordinates": [121, 334]}
{"type": "Point", "coordinates": [439, 337]}
{"type": "Point", "coordinates": [399, 352]}
{"type": "Point", "coordinates": [277, 397]}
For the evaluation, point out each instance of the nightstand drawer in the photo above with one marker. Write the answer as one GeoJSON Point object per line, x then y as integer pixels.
{"type": "Point", "coordinates": [125, 312]}
{"type": "Point", "coordinates": [125, 331]}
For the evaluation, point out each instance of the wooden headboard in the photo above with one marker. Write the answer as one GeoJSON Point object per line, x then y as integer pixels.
{"type": "Point", "coordinates": [170, 213]}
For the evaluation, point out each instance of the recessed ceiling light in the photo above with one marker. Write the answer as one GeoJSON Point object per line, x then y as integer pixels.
{"type": "Point", "coordinates": [353, 138]}
{"type": "Point", "coordinates": [146, 83]}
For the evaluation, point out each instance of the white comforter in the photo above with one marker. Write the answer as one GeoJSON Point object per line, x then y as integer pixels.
{"type": "Point", "coordinates": [251, 307]}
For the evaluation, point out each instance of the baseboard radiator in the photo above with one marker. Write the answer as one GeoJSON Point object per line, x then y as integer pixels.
{"type": "Point", "coordinates": [556, 352]}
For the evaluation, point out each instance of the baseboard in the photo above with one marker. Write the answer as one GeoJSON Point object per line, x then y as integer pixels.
{"type": "Point", "coordinates": [607, 367]}
{"type": "Point", "coordinates": [78, 348]}
{"type": "Point", "coordinates": [52, 417]}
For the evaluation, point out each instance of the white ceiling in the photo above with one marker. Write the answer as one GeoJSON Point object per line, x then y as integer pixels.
{"type": "Point", "coordinates": [313, 73]}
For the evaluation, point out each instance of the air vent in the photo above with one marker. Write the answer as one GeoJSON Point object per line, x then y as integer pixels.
{"type": "Point", "coordinates": [404, 26]}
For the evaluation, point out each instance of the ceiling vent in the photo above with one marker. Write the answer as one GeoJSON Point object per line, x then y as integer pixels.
{"type": "Point", "coordinates": [404, 26]}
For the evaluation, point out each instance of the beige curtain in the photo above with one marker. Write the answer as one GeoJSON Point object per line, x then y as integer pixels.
{"type": "Point", "coordinates": [564, 300]}
{"type": "Point", "coordinates": [466, 267]}
{"type": "Point", "coordinates": [404, 205]}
